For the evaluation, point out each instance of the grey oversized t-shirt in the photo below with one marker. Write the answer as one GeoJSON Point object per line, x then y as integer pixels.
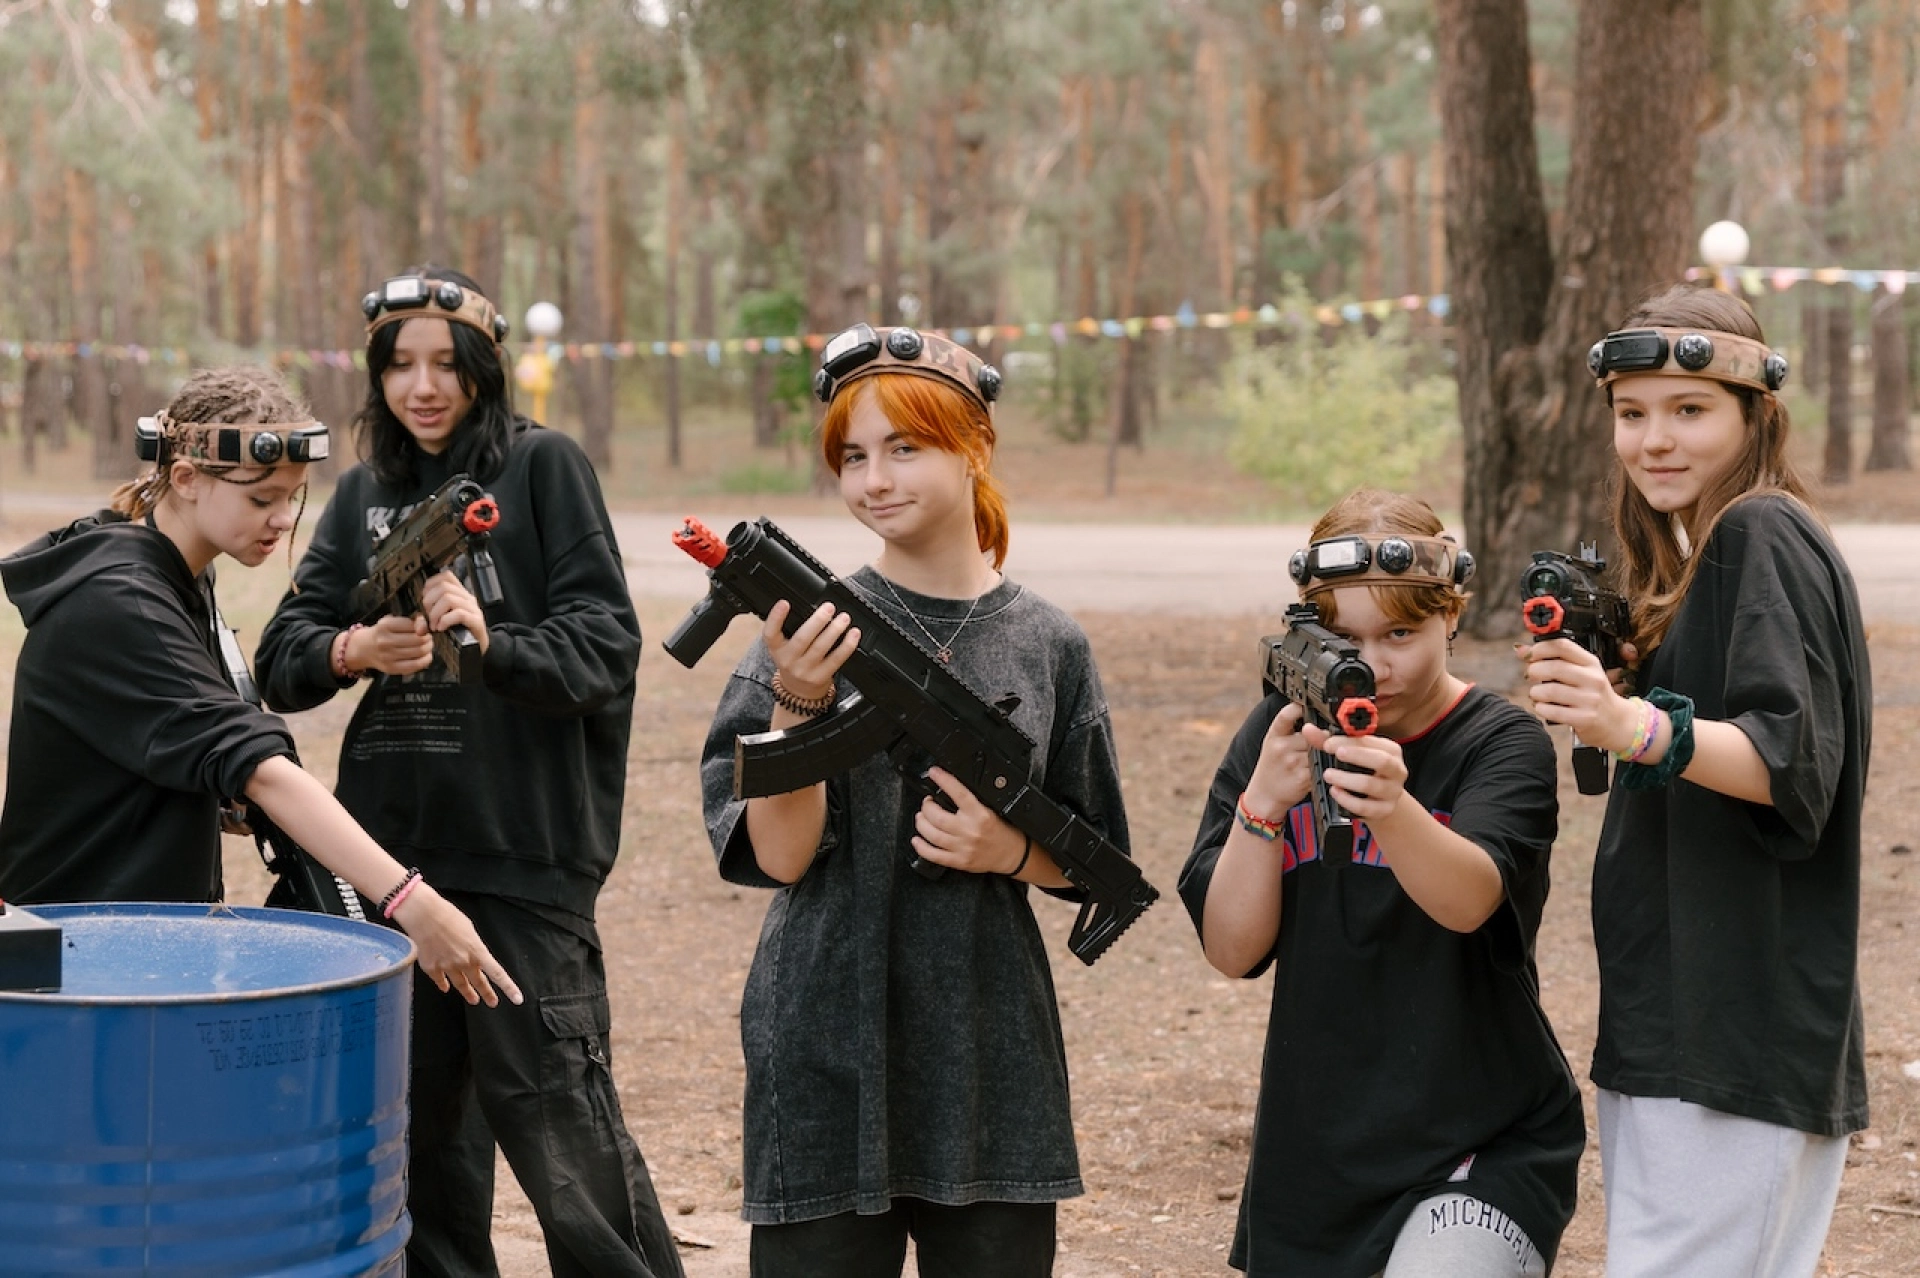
{"type": "Point", "coordinates": [901, 1034]}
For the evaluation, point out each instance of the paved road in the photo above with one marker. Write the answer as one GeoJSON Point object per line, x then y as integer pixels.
{"type": "Point", "coordinates": [1185, 568]}
{"type": "Point", "coordinates": [1178, 568]}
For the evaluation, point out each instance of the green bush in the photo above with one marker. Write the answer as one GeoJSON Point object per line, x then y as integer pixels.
{"type": "Point", "coordinates": [1323, 411]}
{"type": "Point", "coordinates": [764, 477]}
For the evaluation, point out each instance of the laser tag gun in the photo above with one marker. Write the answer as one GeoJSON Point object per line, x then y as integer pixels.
{"type": "Point", "coordinates": [299, 881]}
{"type": "Point", "coordinates": [1562, 597]}
{"type": "Point", "coordinates": [1322, 673]}
{"type": "Point", "coordinates": [907, 703]}
{"type": "Point", "coordinates": [453, 522]}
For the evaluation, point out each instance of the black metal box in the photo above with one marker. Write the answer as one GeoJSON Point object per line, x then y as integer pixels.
{"type": "Point", "coordinates": [29, 951]}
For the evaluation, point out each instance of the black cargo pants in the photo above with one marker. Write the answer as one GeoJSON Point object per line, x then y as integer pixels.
{"type": "Point", "coordinates": [542, 1076]}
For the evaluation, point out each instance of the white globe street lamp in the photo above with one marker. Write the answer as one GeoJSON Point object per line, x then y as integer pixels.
{"type": "Point", "coordinates": [534, 369]}
{"type": "Point", "coordinates": [1723, 246]}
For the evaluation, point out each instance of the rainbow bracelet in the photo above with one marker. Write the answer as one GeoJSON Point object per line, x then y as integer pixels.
{"type": "Point", "coordinates": [1644, 735]}
{"type": "Point", "coordinates": [1268, 830]}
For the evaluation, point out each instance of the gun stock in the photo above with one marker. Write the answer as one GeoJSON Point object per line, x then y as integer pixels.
{"type": "Point", "coordinates": [1565, 597]}
{"type": "Point", "coordinates": [908, 704]}
{"type": "Point", "coordinates": [456, 520]}
{"type": "Point", "coordinates": [1323, 674]}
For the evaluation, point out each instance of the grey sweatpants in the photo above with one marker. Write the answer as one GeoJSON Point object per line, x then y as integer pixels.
{"type": "Point", "coordinates": [1458, 1236]}
{"type": "Point", "coordinates": [1694, 1193]}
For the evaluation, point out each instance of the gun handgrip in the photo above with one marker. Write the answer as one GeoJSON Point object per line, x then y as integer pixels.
{"type": "Point", "coordinates": [702, 627]}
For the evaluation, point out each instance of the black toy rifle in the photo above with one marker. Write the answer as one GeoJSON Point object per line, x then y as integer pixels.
{"type": "Point", "coordinates": [1562, 597]}
{"type": "Point", "coordinates": [454, 521]}
{"type": "Point", "coordinates": [299, 881]}
{"type": "Point", "coordinates": [906, 703]}
{"type": "Point", "coordinates": [1322, 673]}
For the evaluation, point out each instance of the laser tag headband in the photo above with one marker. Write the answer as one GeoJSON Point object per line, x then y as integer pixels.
{"type": "Point", "coordinates": [1388, 561]}
{"type": "Point", "coordinates": [404, 297]}
{"type": "Point", "coordinates": [231, 443]}
{"type": "Point", "coordinates": [1685, 352]}
{"type": "Point", "coordinates": [863, 350]}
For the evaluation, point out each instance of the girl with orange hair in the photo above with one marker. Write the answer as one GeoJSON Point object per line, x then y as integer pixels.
{"type": "Point", "coordinates": [906, 1074]}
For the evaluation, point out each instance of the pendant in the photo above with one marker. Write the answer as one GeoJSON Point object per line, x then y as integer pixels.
{"type": "Point", "coordinates": [945, 655]}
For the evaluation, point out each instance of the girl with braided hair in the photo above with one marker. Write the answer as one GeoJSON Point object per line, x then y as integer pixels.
{"type": "Point", "coordinates": [1726, 885]}
{"type": "Point", "coordinates": [127, 733]}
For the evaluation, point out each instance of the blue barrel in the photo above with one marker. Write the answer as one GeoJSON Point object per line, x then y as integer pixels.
{"type": "Point", "coordinates": [214, 1090]}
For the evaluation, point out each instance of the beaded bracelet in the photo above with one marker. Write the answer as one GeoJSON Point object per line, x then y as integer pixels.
{"type": "Point", "coordinates": [401, 891]}
{"type": "Point", "coordinates": [1652, 776]}
{"type": "Point", "coordinates": [1268, 830]}
{"type": "Point", "coordinates": [1643, 735]}
{"type": "Point", "coordinates": [339, 663]}
{"type": "Point", "coordinates": [809, 708]}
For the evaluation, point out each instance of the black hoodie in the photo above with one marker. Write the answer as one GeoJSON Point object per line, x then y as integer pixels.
{"type": "Point", "coordinates": [126, 733]}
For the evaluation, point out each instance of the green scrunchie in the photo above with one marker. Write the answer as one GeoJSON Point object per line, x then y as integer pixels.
{"type": "Point", "coordinates": [1653, 776]}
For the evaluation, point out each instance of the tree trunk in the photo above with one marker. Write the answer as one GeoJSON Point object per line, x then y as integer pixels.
{"type": "Point", "coordinates": [670, 267]}
{"type": "Point", "coordinates": [592, 376]}
{"type": "Point", "coordinates": [1827, 117]}
{"type": "Point", "coordinates": [1892, 376]}
{"type": "Point", "coordinates": [296, 198]}
{"type": "Point", "coordinates": [89, 368]}
{"type": "Point", "coordinates": [1536, 475]}
{"type": "Point", "coordinates": [250, 168]}
{"type": "Point", "coordinates": [1892, 384]}
{"type": "Point", "coordinates": [205, 94]}
{"type": "Point", "coordinates": [1497, 254]}
{"type": "Point", "coordinates": [428, 56]}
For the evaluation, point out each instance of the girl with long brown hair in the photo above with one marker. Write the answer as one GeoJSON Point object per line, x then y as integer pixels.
{"type": "Point", "coordinates": [1727, 880]}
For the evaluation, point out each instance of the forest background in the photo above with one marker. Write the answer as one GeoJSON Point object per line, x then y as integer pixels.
{"type": "Point", "coordinates": [1322, 241]}
{"type": "Point", "coordinates": [1234, 257]}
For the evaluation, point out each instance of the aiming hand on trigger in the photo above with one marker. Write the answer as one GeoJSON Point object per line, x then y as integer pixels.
{"type": "Point", "coordinates": [1284, 774]}
{"type": "Point", "coordinates": [1369, 775]}
{"type": "Point", "coordinates": [446, 602]}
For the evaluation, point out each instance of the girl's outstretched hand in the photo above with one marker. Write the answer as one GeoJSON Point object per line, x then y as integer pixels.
{"type": "Point", "coordinates": [451, 952]}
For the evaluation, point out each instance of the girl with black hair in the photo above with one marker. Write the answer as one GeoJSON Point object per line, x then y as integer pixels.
{"type": "Point", "coordinates": [127, 734]}
{"type": "Point", "coordinates": [510, 787]}
{"type": "Point", "coordinates": [1726, 886]}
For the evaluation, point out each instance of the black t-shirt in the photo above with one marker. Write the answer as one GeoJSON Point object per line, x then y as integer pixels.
{"type": "Point", "coordinates": [1404, 1059]}
{"type": "Point", "coordinates": [1728, 931]}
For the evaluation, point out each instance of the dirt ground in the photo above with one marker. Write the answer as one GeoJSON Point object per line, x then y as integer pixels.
{"type": "Point", "coordinates": [1165, 1053]}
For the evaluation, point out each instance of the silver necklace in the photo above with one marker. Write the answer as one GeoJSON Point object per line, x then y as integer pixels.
{"type": "Point", "coordinates": [944, 651]}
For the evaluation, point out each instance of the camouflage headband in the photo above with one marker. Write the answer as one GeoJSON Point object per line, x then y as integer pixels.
{"type": "Point", "coordinates": [1685, 352]}
{"type": "Point", "coordinates": [1393, 560]}
{"type": "Point", "coordinates": [231, 443]}
{"type": "Point", "coordinates": [406, 297]}
{"type": "Point", "coordinates": [863, 351]}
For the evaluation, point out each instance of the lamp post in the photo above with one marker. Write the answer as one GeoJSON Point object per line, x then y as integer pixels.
{"type": "Point", "coordinates": [534, 369]}
{"type": "Point", "coordinates": [1724, 246]}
